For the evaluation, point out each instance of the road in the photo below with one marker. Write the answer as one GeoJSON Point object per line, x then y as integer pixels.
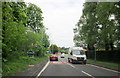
{"type": "Point", "coordinates": [63, 68]}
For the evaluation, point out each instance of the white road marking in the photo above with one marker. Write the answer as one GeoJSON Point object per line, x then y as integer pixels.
{"type": "Point", "coordinates": [88, 74]}
{"type": "Point", "coordinates": [104, 68]}
{"type": "Point", "coordinates": [43, 69]}
{"type": "Point", "coordinates": [71, 65]}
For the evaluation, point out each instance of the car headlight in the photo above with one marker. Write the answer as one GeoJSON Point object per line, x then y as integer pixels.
{"type": "Point", "coordinates": [85, 58]}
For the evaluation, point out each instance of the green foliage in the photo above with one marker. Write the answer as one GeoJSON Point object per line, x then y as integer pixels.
{"type": "Point", "coordinates": [115, 65]}
{"type": "Point", "coordinates": [13, 31]}
{"type": "Point", "coordinates": [34, 14]}
{"type": "Point", "coordinates": [64, 50]}
{"type": "Point", "coordinates": [98, 25]}
{"type": "Point", "coordinates": [22, 28]}
{"type": "Point", "coordinates": [54, 48]}
{"type": "Point", "coordinates": [17, 65]}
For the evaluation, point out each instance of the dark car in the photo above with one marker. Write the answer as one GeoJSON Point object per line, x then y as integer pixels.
{"type": "Point", "coordinates": [30, 53]}
{"type": "Point", "coordinates": [53, 57]}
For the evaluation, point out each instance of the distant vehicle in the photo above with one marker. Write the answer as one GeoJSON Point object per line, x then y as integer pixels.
{"type": "Point", "coordinates": [30, 53]}
{"type": "Point", "coordinates": [53, 57]}
{"type": "Point", "coordinates": [77, 54]}
{"type": "Point", "coordinates": [62, 55]}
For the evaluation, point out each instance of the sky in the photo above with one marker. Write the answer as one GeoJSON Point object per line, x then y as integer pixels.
{"type": "Point", "coordinates": [60, 17]}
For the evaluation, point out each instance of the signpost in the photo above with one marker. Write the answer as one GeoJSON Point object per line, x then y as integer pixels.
{"type": "Point", "coordinates": [95, 45]}
{"type": "Point", "coordinates": [36, 45]}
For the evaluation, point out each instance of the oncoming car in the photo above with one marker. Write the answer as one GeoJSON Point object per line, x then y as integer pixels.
{"type": "Point", "coordinates": [53, 57]}
{"type": "Point", "coordinates": [62, 55]}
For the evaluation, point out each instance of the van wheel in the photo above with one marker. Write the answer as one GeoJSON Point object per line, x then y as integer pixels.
{"type": "Point", "coordinates": [72, 61]}
{"type": "Point", "coordinates": [68, 60]}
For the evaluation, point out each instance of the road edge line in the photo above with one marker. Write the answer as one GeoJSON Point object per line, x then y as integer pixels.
{"type": "Point", "coordinates": [104, 68]}
{"type": "Point", "coordinates": [43, 69]}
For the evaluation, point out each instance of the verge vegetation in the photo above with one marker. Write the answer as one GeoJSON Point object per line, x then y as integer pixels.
{"type": "Point", "coordinates": [17, 65]}
{"type": "Point", "coordinates": [115, 65]}
{"type": "Point", "coordinates": [22, 31]}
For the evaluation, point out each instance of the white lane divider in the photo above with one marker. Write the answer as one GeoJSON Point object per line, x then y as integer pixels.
{"type": "Point", "coordinates": [71, 65]}
{"type": "Point", "coordinates": [43, 69]}
{"type": "Point", "coordinates": [88, 74]}
{"type": "Point", "coordinates": [104, 68]}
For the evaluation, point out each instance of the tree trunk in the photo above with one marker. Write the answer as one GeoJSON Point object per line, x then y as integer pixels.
{"type": "Point", "coordinates": [111, 46]}
{"type": "Point", "coordinates": [106, 46]}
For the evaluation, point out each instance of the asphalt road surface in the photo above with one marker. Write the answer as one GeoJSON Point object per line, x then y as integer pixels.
{"type": "Point", "coordinates": [63, 68]}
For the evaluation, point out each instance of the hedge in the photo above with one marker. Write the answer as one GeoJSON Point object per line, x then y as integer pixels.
{"type": "Point", "coordinates": [111, 56]}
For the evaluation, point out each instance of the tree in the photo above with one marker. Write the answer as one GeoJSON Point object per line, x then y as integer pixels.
{"type": "Point", "coordinates": [64, 50]}
{"type": "Point", "coordinates": [54, 48]}
{"type": "Point", "coordinates": [99, 25]}
{"type": "Point", "coordinates": [116, 12]}
{"type": "Point", "coordinates": [107, 29]}
{"type": "Point", "coordinates": [87, 26]}
{"type": "Point", "coordinates": [35, 18]}
{"type": "Point", "coordinates": [20, 32]}
{"type": "Point", "coordinates": [13, 28]}
{"type": "Point", "coordinates": [18, 35]}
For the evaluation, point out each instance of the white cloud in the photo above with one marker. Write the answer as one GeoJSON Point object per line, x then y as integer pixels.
{"type": "Point", "coordinates": [60, 17]}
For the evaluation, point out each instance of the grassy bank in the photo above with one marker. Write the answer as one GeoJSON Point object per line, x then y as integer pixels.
{"type": "Point", "coordinates": [12, 67]}
{"type": "Point", "coordinates": [115, 65]}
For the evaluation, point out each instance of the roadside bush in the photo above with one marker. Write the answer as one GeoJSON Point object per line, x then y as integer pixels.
{"type": "Point", "coordinates": [12, 67]}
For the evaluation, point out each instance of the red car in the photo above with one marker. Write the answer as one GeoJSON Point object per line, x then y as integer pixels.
{"type": "Point", "coordinates": [53, 57]}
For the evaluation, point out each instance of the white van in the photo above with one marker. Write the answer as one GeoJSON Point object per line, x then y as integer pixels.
{"type": "Point", "coordinates": [77, 54]}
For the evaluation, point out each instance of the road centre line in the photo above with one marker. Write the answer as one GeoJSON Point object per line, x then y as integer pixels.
{"type": "Point", "coordinates": [104, 68]}
{"type": "Point", "coordinates": [87, 74]}
{"type": "Point", "coordinates": [43, 69]}
{"type": "Point", "coordinates": [71, 65]}
{"type": "Point", "coordinates": [68, 64]}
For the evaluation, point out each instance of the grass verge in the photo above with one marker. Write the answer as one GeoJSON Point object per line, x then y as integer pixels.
{"type": "Point", "coordinates": [115, 65]}
{"type": "Point", "coordinates": [12, 67]}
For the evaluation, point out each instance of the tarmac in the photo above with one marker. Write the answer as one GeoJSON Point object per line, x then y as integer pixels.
{"type": "Point", "coordinates": [33, 70]}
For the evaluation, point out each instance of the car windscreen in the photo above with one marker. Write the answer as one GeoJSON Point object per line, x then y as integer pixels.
{"type": "Point", "coordinates": [63, 54]}
{"type": "Point", "coordinates": [78, 52]}
{"type": "Point", "coordinates": [53, 55]}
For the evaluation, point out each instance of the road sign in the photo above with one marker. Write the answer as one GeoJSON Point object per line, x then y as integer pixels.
{"type": "Point", "coordinates": [36, 45]}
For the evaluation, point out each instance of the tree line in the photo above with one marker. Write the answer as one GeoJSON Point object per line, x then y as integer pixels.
{"type": "Point", "coordinates": [22, 30]}
{"type": "Point", "coordinates": [99, 26]}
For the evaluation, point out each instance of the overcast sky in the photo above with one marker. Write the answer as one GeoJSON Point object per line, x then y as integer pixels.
{"type": "Point", "coordinates": [60, 17]}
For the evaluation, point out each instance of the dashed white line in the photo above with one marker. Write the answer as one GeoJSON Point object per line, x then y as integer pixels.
{"type": "Point", "coordinates": [43, 69]}
{"type": "Point", "coordinates": [88, 74]}
{"type": "Point", "coordinates": [104, 68]}
{"type": "Point", "coordinates": [71, 65]}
